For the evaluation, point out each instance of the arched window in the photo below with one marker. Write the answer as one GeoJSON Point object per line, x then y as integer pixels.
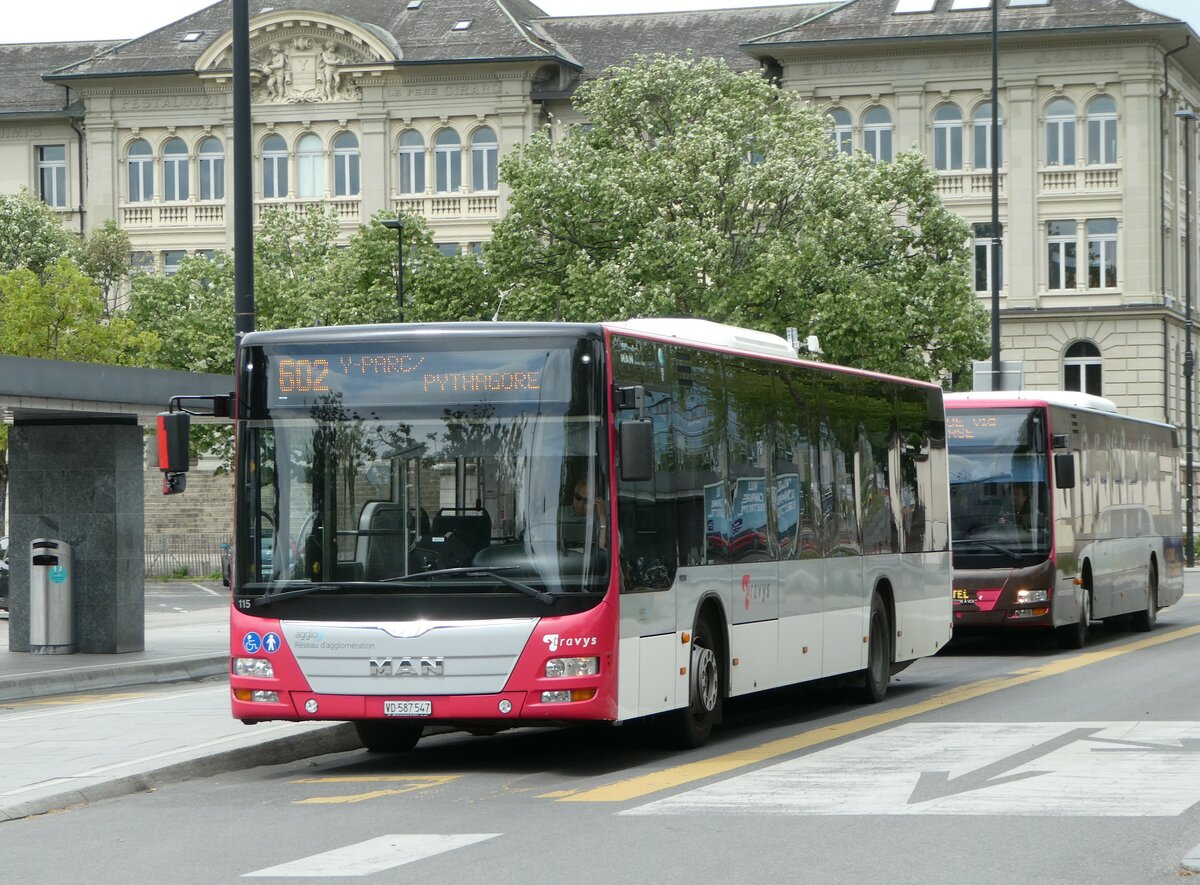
{"type": "Point", "coordinates": [412, 163]}
{"type": "Point", "coordinates": [1060, 133]}
{"type": "Point", "coordinates": [948, 137]}
{"type": "Point", "coordinates": [140, 160]}
{"type": "Point", "coordinates": [485, 158]}
{"type": "Point", "coordinates": [983, 136]}
{"type": "Point", "coordinates": [843, 135]}
{"type": "Point", "coordinates": [345, 166]}
{"type": "Point", "coordinates": [175, 170]}
{"type": "Point", "coordinates": [1082, 368]}
{"type": "Point", "coordinates": [310, 166]}
{"type": "Point", "coordinates": [1102, 130]}
{"type": "Point", "coordinates": [877, 134]}
{"type": "Point", "coordinates": [275, 168]}
{"type": "Point", "coordinates": [212, 169]}
{"type": "Point", "coordinates": [447, 154]}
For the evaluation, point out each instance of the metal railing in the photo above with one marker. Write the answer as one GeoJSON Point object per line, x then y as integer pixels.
{"type": "Point", "coordinates": [196, 554]}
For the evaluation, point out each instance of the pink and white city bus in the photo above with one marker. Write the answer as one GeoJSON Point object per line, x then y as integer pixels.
{"type": "Point", "coordinates": [497, 525]}
{"type": "Point", "coordinates": [1064, 511]}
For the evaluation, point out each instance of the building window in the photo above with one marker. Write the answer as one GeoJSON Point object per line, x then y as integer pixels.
{"type": "Point", "coordinates": [141, 262]}
{"type": "Point", "coordinates": [1102, 253]}
{"type": "Point", "coordinates": [983, 137]}
{"type": "Point", "coordinates": [448, 249]}
{"type": "Point", "coordinates": [1102, 130]}
{"type": "Point", "coordinates": [310, 166]}
{"type": "Point", "coordinates": [175, 170]}
{"type": "Point", "coordinates": [984, 260]}
{"type": "Point", "coordinates": [275, 168]}
{"type": "Point", "coordinates": [140, 160]}
{"type": "Point", "coordinates": [485, 158]}
{"type": "Point", "coordinates": [447, 153]}
{"type": "Point", "coordinates": [346, 181]}
{"type": "Point", "coordinates": [948, 138]}
{"type": "Point", "coordinates": [212, 170]}
{"type": "Point", "coordinates": [171, 259]}
{"type": "Point", "coordinates": [1061, 238]}
{"type": "Point", "coordinates": [52, 174]}
{"type": "Point", "coordinates": [412, 163]}
{"type": "Point", "coordinates": [843, 135]}
{"type": "Point", "coordinates": [1060, 133]}
{"type": "Point", "coordinates": [877, 134]}
{"type": "Point", "coordinates": [1082, 368]}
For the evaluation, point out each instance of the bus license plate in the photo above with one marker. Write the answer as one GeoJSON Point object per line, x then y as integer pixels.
{"type": "Point", "coordinates": [408, 708]}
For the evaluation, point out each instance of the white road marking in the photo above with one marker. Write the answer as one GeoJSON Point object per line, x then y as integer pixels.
{"type": "Point", "coordinates": [1100, 769]}
{"type": "Point", "coordinates": [209, 590]}
{"type": "Point", "coordinates": [373, 856]}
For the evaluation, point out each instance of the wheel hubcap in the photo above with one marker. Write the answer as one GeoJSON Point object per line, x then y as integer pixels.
{"type": "Point", "coordinates": [704, 677]}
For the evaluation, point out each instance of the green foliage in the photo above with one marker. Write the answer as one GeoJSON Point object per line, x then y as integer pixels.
{"type": "Point", "coordinates": [31, 235]}
{"type": "Point", "coordinates": [698, 191]}
{"type": "Point", "coordinates": [105, 257]}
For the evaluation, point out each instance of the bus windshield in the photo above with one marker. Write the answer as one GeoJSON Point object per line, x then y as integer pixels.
{"type": "Point", "coordinates": [469, 482]}
{"type": "Point", "coordinates": [999, 497]}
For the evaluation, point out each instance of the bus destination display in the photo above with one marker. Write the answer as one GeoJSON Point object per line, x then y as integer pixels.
{"type": "Point", "coordinates": [987, 428]}
{"type": "Point", "coordinates": [378, 378]}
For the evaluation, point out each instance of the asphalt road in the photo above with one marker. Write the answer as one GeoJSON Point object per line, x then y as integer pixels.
{"type": "Point", "coordinates": [185, 596]}
{"type": "Point", "coordinates": [998, 761]}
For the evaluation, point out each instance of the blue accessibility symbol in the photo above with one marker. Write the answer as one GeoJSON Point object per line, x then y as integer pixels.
{"type": "Point", "coordinates": [58, 573]}
{"type": "Point", "coordinates": [251, 642]}
{"type": "Point", "coordinates": [270, 643]}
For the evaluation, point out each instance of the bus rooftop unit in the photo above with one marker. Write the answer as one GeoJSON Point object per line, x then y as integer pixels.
{"type": "Point", "coordinates": [503, 524]}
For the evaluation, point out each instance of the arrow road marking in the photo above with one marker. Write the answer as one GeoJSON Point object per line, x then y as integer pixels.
{"type": "Point", "coordinates": [938, 784]}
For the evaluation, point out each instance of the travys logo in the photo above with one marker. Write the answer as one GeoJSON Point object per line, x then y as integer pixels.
{"type": "Point", "coordinates": [556, 642]}
{"type": "Point", "coordinates": [757, 591]}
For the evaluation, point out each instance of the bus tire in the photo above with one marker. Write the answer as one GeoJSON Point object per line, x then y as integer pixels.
{"type": "Point", "coordinates": [691, 726]}
{"type": "Point", "coordinates": [1145, 620]}
{"type": "Point", "coordinates": [878, 673]}
{"type": "Point", "coordinates": [381, 736]}
{"type": "Point", "coordinates": [1076, 635]}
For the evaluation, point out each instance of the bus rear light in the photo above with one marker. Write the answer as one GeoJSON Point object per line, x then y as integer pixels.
{"type": "Point", "coordinates": [256, 696]}
{"type": "Point", "coordinates": [560, 667]}
{"type": "Point", "coordinates": [259, 667]}
{"type": "Point", "coordinates": [567, 696]}
{"type": "Point", "coordinates": [1026, 596]}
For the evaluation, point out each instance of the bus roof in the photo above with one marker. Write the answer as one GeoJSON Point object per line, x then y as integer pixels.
{"type": "Point", "coordinates": [706, 332]}
{"type": "Point", "coordinates": [1072, 399]}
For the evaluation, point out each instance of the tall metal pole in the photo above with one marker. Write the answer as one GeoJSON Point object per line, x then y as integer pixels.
{"type": "Point", "coordinates": [1188, 117]}
{"type": "Point", "coordinates": [997, 372]}
{"type": "Point", "coordinates": [397, 224]}
{"type": "Point", "coordinates": [243, 193]}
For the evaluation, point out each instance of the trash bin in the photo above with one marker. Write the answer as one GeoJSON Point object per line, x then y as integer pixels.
{"type": "Point", "coordinates": [51, 598]}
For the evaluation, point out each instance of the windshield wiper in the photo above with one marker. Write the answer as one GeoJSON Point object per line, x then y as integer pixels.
{"type": "Point", "coordinates": [999, 549]}
{"type": "Point", "coordinates": [469, 571]}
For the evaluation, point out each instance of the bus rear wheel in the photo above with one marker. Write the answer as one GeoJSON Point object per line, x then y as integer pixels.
{"type": "Point", "coordinates": [1144, 621]}
{"type": "Point", "coordinates": [878, 673]}
{"type": "Point", "coordinates": [381, 736]}
{"type": "Point", "coordinates": [690, 727]}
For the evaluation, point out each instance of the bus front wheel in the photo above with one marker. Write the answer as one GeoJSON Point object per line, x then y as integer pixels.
{"type": "Point", "coordinates": [1076, 635]}
{"type": "Point", "coordinates": [690, 727]}
{"type": "Point", "coordinates": [878, 673]}
{"type": "Point", "coordinates": [1145, 620]}
{"type": "Point", "coordinates": [381, 736]}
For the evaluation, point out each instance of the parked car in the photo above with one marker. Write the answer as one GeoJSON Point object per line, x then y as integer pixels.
{"type": "Point", "coordinates": [4, 574]}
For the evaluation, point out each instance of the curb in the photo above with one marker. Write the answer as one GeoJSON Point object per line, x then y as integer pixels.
{"type": "Point", "coordinates": [25, 686]}
{"type": "Point", "coordinates": [336, 738]}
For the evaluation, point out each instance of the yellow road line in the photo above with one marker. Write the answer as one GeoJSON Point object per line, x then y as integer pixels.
{"type": "Point", "coordinates": [346, 800]}
{"type": "Point", "coordinates": [67, 700]}
{"type": "Point", "coordinates": [655, 782]}
{"type": "Point", "coordinates": [430, 780]}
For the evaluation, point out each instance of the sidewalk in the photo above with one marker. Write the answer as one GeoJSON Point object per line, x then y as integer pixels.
{"type": "Point", "coordinates": [60, 747]}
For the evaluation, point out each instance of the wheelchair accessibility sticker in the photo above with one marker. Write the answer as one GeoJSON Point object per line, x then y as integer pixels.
{"type": "Point", "coordinates": [251, 642]}
{"type": "Point", "coordinates": [58, 573]}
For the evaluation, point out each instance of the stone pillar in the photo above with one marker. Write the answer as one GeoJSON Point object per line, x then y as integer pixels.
{"type": "Point", "coordinates": [81, 483]}
{"type": "Point", "coordinates": [375, 159]}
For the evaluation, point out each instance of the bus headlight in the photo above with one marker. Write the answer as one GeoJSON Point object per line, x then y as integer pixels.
{"type": "Point", "coordinates": [559, 667]}
{"type": "Point", "coordinates": [259, 667]}
{"type": "Point", "coordinates": [1024, 596]}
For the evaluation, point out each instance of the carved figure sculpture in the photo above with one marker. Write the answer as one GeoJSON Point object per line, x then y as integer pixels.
{"type": "Point", "coordinates": [330, 71]}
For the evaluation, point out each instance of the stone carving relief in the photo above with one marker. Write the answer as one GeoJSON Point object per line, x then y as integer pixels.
{"type": "Point", "coordinates": [303, 69]}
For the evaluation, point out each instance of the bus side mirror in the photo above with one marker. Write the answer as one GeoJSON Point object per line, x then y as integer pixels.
{"type": "Point", "coordinates": [173, 429]}
{"type": "Point", "coordinates": [1064, 470]}
{"type": "Point", "coordinates": [635, 442]}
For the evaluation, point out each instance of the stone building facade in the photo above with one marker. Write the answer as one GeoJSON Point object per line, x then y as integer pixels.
{"type": "Point", "coordinates": [366, 106]}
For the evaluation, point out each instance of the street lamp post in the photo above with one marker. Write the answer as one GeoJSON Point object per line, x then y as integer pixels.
{"type": "Point", "coordinates": [397, 224]}
{"type": "Point", "coordinates": [1188, 117]}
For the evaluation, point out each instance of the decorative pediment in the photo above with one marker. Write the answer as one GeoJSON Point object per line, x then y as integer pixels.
{"type": "Point", "coordinates": [298, 56]}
